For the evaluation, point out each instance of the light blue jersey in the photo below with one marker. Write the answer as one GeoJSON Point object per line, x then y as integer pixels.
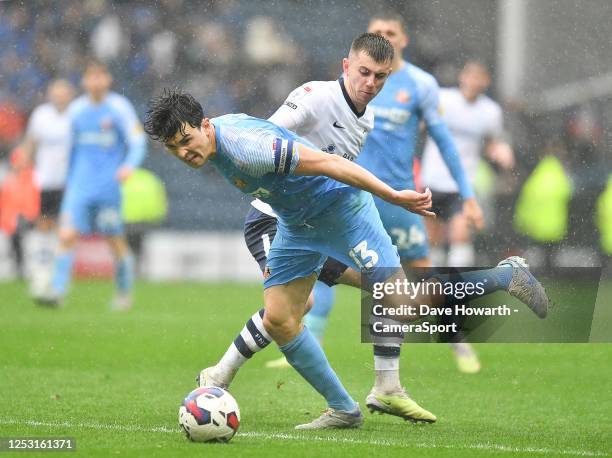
{"type": "Point", "coordinates": [317, 216]}
{"type": "Point", "coordinates": [105, 137]}
{"type": "Point", "coordinates": [408, 97]}
{"type": "Point", "coordinates": [259, 157]}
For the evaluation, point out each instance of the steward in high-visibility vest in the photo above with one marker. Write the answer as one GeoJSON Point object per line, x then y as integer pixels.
{"type": "Point", "coordinates": [542, 208]}
{"type": "Point", "coordinates": [144, 198]}
{"type": "Point", "coordinates": [604, 217]}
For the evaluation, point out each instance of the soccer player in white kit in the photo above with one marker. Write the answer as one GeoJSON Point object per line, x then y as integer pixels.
{"type": "Point", "coordinates": [476, 123]}
{"type": "Point", "coordinates": [47, 142]}
{"type": "Point", "coordinates": [334, 116]}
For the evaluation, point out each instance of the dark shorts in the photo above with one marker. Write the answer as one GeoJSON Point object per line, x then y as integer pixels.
{"type": "Point", "coordinates": [259, 232]}
{"type": "Point", "coordinates": [50, 202]}
{"type": "Point", "coordinates": [446, 204]}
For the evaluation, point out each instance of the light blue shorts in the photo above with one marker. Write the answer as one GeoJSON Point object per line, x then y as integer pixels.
{"type": "Point", "coordinates": [406, 229]}
{"type": "Point", "coordinates": [349, 230]}
{"type": "Point", "coordinates": [92, 214]}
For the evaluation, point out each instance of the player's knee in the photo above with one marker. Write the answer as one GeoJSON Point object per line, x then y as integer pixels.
{"type": "Point", "coordinates": [280, 327]}
{"type": "Point", "coordinates": [68, 238]}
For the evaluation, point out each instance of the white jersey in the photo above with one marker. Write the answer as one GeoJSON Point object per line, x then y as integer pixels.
{"type": "Point", "coordinates": [470, 125]}
{"type": "Point", "coordinates": [51, 132]}
{"type": "Point", "coordinates": [323, 113]}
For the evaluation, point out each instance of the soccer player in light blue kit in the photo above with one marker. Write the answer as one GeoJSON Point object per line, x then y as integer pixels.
{"type": "Point", "coordinates": [108, 143]}
{"type": "Point", "coordinates": [317, 217]}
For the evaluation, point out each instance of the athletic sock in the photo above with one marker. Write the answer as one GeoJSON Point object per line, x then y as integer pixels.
{"type": "Point", "coordinates": [306, 356]}
{"type": "Point", "coordinates": [316, 319]}
{"type": "Point", "coordinates": [62, 271]}
{"type": "Point", "coordinates": [386, 367]}
{"type": "Point", "coordinates": [489, 280]}
{"type": "Point", "coordinates": [124, 273]}
{"type": "Point", "coordinates": [461, 254]}
{"type": "Point", "coordinates": [437, 255]}
{"type": "Point", "coordinates": [252, 339]}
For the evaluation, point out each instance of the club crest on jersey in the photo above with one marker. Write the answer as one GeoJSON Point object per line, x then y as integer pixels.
{"type": "Point", "coordinates": [260, 193]}
{"type": "Point", "coordinates": [402, 96]}
{"type": "Point", "coordinates": [106, 123]}
{"type": "Point", "coordinates": [239, 182]}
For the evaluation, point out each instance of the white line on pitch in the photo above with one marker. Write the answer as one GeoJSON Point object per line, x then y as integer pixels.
{"type": "Point", "coordinates": [292, 437]}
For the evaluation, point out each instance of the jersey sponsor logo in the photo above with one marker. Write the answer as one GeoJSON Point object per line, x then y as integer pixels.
{"type": "Point", "coordinates": [103, 139]}
{"type": "Point", "coordinates": [290, 105]}
{"type": "Point", "coordinates": [329, 148]}
{"type": "Point", "coordinates": [402, 96]}
{"type": "Point", "coordinates": [338, 125]}
{"type": "Point", "coordinates": [396, 115]}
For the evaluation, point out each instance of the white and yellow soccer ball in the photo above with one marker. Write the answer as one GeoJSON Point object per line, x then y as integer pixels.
{"type": "Point", "coordinates": [209, 414]}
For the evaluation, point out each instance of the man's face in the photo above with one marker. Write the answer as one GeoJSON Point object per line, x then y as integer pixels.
{"type": "Point", "coordinates": [474, 79]}
{"type": "Point", "coordinates": [392, 31]}
{"type": "Point", "coordinates": [60, 94]}
{"type": "Point", "coordinates": [192, 147]}
{"type": "Point", "coordinates": [365, 77]}
{"type": "Point", "coordinates": [96, 81]}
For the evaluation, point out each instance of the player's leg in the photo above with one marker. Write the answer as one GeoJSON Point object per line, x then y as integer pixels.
{"type": "Point", "coordinates": [75, 219]}
{"type": "Point", "coordinates": [368, 248]}
{"type": "Point", "coordinates": [259, 233]}
{"type": "Point", "coordinates": [282, 320]}
{"type": "Point", "coordinates": [407, 233]}
{"type": "Point", "coordinates": [124, 272]}
{"type": "Point", "coordinates": [461, 247]}
{"type": "Point", "coordinates": [324, 295]}
{"type": "Point", "coordinates": [107, 220]}
{"type": "Point", "coordinates": [460, 254]}
{"type": "Point", "coordinates": [43, 242]}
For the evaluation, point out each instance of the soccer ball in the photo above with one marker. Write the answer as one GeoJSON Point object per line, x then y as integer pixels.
{"type": "Point", "coordinates": [209, 414]}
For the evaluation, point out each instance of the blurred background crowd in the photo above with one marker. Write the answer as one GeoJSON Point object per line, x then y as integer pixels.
{"type": "Point", "coordinates": [550, 61]}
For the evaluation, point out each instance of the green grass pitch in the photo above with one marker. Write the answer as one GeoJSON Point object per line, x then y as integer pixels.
{"type": "Point", "coordinates": [114, 381]}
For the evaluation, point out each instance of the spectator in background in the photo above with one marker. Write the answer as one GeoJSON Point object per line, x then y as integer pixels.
{"type": "Point", "coordinates": [47, 145]}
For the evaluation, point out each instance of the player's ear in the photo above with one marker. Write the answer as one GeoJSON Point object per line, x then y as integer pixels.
{"type": "Point", "coordinates": [205, 123]}
{"type": "Point", "coordinates": [345, 65]}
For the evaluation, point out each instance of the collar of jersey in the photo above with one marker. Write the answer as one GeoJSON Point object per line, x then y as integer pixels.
{"type": "Point", "coordinates": [348, 99]}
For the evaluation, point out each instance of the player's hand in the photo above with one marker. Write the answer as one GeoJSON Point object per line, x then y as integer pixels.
{"type": "Point", "coordinates": [502, 154]}
{"type": "Point", "coordinates": [416, 202]}
{"type": "Point", "coordinates": [473, 213]}
{"type": "Point", "coordinates": [124, 173]}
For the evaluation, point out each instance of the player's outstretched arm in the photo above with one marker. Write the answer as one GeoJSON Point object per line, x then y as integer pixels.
{"type": "Point", "coordinates": [313, 163]}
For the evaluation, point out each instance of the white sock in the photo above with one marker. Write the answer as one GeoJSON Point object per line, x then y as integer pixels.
{"type": "Point", "coordinates": [462, 349]}
{"type": "Point", "coordinates": [252, 339]}
{"type": "Point", "coordinates": [461, 255]}
{"type": "Point", "coordinates": [437, 255]}
{"type": "Point", "coordinates": [387, 374]}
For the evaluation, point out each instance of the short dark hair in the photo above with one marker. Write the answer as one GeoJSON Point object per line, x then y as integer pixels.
{"type": "Point", "coordinates": [374, 45]}
{"type": "Point", "coordinates": [168, 113]}
{"type": "Point", "coordinates": [389, 15]}
{"type": "Point", "coordinates": [92, 63]}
